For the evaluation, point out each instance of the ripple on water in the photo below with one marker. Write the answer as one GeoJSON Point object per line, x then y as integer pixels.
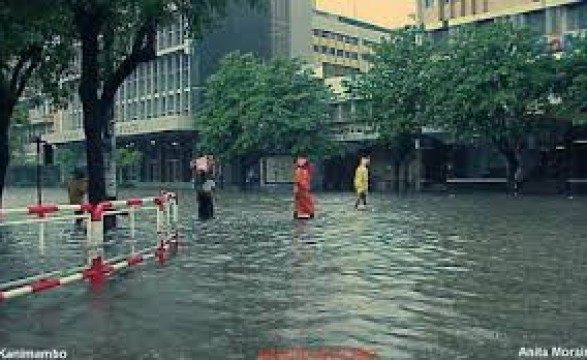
{"type": "Point", "coordinates": [423, 277]}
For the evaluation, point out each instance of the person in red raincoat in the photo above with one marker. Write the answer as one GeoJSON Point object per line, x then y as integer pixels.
{"type": "Point", "coordinates": [304, 204]}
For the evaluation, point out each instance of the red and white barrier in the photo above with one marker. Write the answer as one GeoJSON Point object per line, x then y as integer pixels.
{"type": "Point", "coordinates": [98, 268]}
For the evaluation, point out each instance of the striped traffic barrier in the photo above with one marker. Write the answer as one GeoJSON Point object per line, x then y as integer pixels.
{"type": "Point", "coordinates": [98, 268]}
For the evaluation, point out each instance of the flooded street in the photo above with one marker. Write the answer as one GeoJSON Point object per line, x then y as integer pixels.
{"type": "Point", "coordinates": [416, 277]}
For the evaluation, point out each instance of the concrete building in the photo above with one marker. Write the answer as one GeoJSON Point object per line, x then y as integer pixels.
{"type": "Point", "coordinates": [155, 108]}
{"type": "Point", "coordinates": [554, 18]}
{"type": "Point", "coordinates": [342, 45]}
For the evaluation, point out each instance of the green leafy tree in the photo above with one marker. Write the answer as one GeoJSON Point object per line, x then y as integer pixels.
{"type": "Point", "coordinates": [396, 91]}
{"type": "Point", "coordinates": [115, 36]}
{"type": "Point", "coordinates": [35, 49]}
{"type": "Point", "coordinates": [493, 84]}
{"type": "Point", "coordinates": [254, 109]}
{"type": "Point", "coordinates": [68, 160]}
{"type": "Point", "coordinates": [20, 122]}
{"type": "Point", "coordinates": [127, 158]}
{"type": "Point", "coordinates": [571, 84]}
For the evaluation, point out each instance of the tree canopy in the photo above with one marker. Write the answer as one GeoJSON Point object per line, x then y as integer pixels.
{"type": "Point", "coordinates": [492, 82]}
{"type": "Point", "coordinates": [115, 37]}
{"type": "Point", "coordinates": [396, 86]}
{"type": "Point", "coordinates": [35, 48]}
{"type": "Point", "coordinates": [254, 109]}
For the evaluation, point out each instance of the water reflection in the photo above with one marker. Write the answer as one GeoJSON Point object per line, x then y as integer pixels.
{"type": "Point", "coordinates": [423, 277]}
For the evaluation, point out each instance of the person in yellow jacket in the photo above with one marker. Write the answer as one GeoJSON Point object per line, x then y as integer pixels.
{"type": "Point", "coordinates": [362, 182]}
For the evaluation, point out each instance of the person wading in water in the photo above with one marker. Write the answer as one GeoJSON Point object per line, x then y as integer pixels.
{"type": "Point", "coordinates": [77, 189]}
{"type": "Point", "coordinates": [362, 183]}
{"type": "Point", "coordinates": [303, 202]}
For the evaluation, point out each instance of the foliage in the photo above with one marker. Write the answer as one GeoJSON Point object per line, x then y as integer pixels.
{"type": "Point", "coordinates": [395, 86]}
{"type": "Point", "coordinates": [128, 157]}
{"type": "Point", "coordinates": [115, 37]}
{"type": "Point", "coordinates": [254, 109]}
{"type": "Point", "coordinates": [492, 83]}
{"type": "Point", "coordinates": [571, 84]}
{"type": "Point", "coordinates": [67, 159]}
{"type": "Point", "coordinates": [18, 138]}
{"type": "Point", "coordinates": [34, 51]}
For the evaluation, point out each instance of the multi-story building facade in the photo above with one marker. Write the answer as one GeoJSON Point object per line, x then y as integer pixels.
{"type": "Point", "coordinates": [558, 21]}
{"type": "Point", "coordinates": [336, 47]}
{"type": "Point", "coordinates": [156, 107]}
{"type": "Point", "coordinates": [341, 45]}
{"type": "Point", "coordinates": [553, 18]}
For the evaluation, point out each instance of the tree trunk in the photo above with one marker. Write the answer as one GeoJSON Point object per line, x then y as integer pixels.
{"type": "Point", "coordinates": [403, 180]}
{"type": "Point", "coordinates": [396, 178]}
{"type": "Point", "coordinates": [95, 155]}
{"type": "Point", "coordinates": [109, 140]}
{"type": "Point", "coordinates": [4, 161]}
{"type": "Point", "coordinates": [512, 167]}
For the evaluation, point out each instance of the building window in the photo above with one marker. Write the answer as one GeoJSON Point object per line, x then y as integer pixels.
{"type": "Point", "coordinates": [163, 107]}
{"type": "Point", "coordinates": [162, 74]}
{"type": "Point", "coordinates": [122, 116]}
{"type": "Point", "coordinates": [316, 32]}
{"type": "Point", "coordinates": [352, 40]}
{"type": "Point", "coordinates": [142, 80]}
{"type": "Point", "coordinates": [155, 76]}
{"type": "Point", "coordinates": [428, 3]}
{"type": "Point", "coordinates": [537, 21]}
{"type": "Point", "coordinates": [186, 103]}
{"type": "Point", "coordinates": [141, 110]}
{"type": "Point", "coordinates": [149, 109]}
{"type": "Point", "coordinates": [324, 49]}
{"type": "Point", "coordinates": [316, 48]}
{"type": "Point", "coordinates": [170, 105]}
{"type": "Point", "coordinates": [340, 53]}
{"type": "Point", "coordinates": [577, 16]}
{"type": "Point", "coordinates": [177, 72]}
{"type": "Point", "coordinates": [178, 103]}
{"type": "Point", "coordinates": [332, 51]}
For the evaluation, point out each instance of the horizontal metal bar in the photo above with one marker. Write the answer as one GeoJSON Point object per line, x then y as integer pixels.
{"type": "Point", "coordinates": [45, 220]}
{"type": "Point", "coordinates": [52, 274]}
{"type": "Point", "coordinates": [18, 292]}
{"type": "Point", "coordinates": [71, 278]}
{"type": "Point", "coordinates": [24, 281]}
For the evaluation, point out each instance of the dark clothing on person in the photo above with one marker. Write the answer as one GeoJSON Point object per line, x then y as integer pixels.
{"type": "Point", "coordinates": [205, 187]}
{"type": "Point", "coordinates": [205, 205]}
{"type": "Point", "coordinates": [361, 199]}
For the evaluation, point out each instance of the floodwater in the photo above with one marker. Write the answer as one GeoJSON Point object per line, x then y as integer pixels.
{"type": "Point", "coordinates": [416, 277]}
